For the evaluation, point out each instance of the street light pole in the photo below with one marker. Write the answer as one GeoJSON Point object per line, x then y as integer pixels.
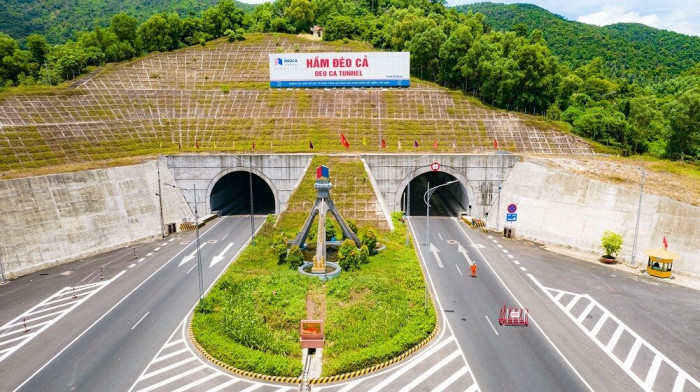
{"type": "Point", "coordinates": [252, 225]}
{"type": "Point", "coordinates": [639, 212]}
{"type": "Point", "coordinates": [426, 199]}
{"type": "Point", "coordinates": [160, 200]}
{"type": "Point", "coordinates": [196, 230]}
{"type": "Point", "coordinates": [199, 254]}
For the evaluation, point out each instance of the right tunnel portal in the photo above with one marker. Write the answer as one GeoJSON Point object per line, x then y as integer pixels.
{"type": "Point", "coordinates": [447, 200]}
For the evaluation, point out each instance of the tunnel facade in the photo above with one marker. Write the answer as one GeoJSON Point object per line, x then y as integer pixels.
{"type": "Point", "coordinates": [231, 195]}
{"type": "Point", "coordinates": [446, 200]}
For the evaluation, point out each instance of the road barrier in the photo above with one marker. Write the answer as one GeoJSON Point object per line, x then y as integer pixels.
{"type": "Point", "coordinates": [513, 316]}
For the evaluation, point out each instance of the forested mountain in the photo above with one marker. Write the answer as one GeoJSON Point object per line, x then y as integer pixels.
{"type": "Point", "coordinates": [633, 52]}
{"type": "Point", "coordinates": [58, 20]}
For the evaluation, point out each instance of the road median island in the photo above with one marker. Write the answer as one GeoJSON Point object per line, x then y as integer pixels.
{"type": "Point", "coordinates": [374, 316]}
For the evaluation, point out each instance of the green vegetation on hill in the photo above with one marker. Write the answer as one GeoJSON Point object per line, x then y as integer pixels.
{"type": "Point", "coordinates": [59, 20]}
{"type": "Point", "coordinates": [632, 52]}
{"type": "Point", "coordinates": [514, 70]}
{"type": "Point", "coordinates": [250, 319]}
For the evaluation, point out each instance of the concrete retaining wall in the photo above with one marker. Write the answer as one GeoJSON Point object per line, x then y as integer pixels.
{"type": "Point", "coordinates": [559, 208]}
{"type": "Point", "coordinates": [50, 220]}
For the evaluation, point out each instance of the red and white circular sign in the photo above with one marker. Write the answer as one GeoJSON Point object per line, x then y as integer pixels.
{"type": "Point", "coordinates": [435, 166]}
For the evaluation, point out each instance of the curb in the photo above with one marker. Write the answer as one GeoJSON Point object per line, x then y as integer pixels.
{"type": "Point", "coordinates": [322, 380]}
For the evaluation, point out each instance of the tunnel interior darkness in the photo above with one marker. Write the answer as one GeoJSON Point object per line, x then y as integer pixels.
{"type": "Point", "coordinates": [231, 195]}
{"type": "Point", "coordinates": [448, 200]}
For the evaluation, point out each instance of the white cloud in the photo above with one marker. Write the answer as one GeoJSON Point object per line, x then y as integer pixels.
{"type": "Point", "coordinates": [618, 14]}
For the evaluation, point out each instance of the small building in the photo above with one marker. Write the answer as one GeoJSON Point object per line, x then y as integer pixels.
{"type": "Point", "coordinates": [660, 262]}
{"type": "Point", "coordinates": [317, 31]}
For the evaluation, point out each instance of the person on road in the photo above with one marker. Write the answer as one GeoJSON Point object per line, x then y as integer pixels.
{"type": "Point", "coordinates": [473, 267]}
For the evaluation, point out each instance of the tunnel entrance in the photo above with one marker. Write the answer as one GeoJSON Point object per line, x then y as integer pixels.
{"type": "Point", "coordinates": [231, 195]}
{"type": "Point", "coordinates": [448, 200]}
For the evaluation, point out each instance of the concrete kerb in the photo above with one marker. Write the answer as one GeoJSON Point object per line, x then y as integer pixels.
{"type": "Point", "coordinates": [322, 380]}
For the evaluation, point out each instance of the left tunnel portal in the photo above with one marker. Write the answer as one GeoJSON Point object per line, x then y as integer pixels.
{"type": "Point", "coordinates": [231, 195]}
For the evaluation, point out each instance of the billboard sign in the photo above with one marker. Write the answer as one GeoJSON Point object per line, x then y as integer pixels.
{"type": "Point", "coordinates": [356, 69]}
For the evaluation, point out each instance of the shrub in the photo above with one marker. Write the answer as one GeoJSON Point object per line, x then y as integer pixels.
{"type": "Point", "coordinates": [369, 238]}
{"type": "Point", "coordinates": [295, 257]}
{"type": "Point", "coordinates": [330, 229]}
{"type": "Point", "coordinates": [225, 88]}
{"type": "Point", "coordinates": [353, 226]}
{"type": "Point", "coordinates": [279, 247]}
{"type": "Point", "coordinates": [363, 255]}
{"type": "Point", "coordinates": [611, 242]}
{"type": "Point", "coordinates": [348, 256]}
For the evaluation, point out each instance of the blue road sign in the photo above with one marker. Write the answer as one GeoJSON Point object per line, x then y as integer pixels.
{"type": "Point", "coordinates": [512, 208]}
{"type": "Point", "coordinates": [511, 217]}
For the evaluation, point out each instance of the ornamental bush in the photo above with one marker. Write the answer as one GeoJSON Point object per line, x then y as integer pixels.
{"type": "Point", "coordinates": [348, 256]}
{"type": "Point", "coordinates": [295, 257]}
{"type": "Point", "coordinates": [369, 238]}
{"type": "Point", "coordinates": [611, 242]}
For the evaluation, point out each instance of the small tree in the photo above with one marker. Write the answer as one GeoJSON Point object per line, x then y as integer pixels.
{"type": "Point", "coordinates": [295, 257]}
{"type": "Point", "coordinates": [363, 255]}
{"type": "Point", "coordinates": [369, 238]}
{"type": "Point", "coordinates": [611, 242]}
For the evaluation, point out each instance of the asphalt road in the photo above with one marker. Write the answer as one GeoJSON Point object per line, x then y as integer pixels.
{"type": "Point", "coordinates": [105, 344]}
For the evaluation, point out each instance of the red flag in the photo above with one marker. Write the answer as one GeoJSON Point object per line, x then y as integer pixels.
{"type": "Point", "coordinates": [343, 140]}
{"type": "Point", "coordinates": [383, 143]}
{"type": "Point", "coordinates": [253, 145]}
{"type": "Point", "coordinates": [196, 143]}
{"type": "Point", "coordinates": [665, 243]}
{"type": "Point", "coordinates": [495, 144]}
{"type": "Point", "coordinates": [311, 145]}
{"type": "Point", "coordinates": [415, 143]}
{"type": "Point", "coordinates": [435, 144]}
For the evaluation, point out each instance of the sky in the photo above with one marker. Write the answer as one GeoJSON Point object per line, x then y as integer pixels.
{"type": "Point", "coordinates": [681, 16]}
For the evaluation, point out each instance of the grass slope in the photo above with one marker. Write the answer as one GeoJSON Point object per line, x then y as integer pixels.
{"type": "Point", "coordinates": [251, 317]}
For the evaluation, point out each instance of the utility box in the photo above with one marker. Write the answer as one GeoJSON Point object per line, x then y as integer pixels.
{"type": "Point", "coordinates": [311, 333]}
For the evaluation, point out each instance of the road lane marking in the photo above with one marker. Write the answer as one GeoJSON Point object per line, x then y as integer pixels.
{"type": "Point", "coordinates": [220, 257]}
{"type": "Point", "coordinates": [109, 311]}
{"type": "Point", "coordinates": [142, 259]}
{"type": "Point", "coordinates": [492, 327]}
{"type": "Point", "coordinates": [156, 249]}
{"type": "Point", "coordinates": [440, 235]}
{"type": "Point", "coordinates": [149, 253]}
{"type": "Point", "coordinates": [430, 371]}
{"type": "Point", "coordinates": [173, 378]}
{"type": "Point", "coordinates": [252, 388]}
{"type": "Point", "coordinates": [224, 385]}
{"type": "Point", "coordinates": [141, 319]}
{"type": "Point", "coordinates": [196, 382]}
{"type": "Point", "coordinates": [172, 354]}
{"type": "Point", "coordinates": [19, 322]}
{"type": "Point", "coordinates": [460, 271]}
{"type": "Point", "coordinates": [450, 380]}
{"type": "Point", "coordinates": [682, 379]}
{"type": "Point", "coordinates": [523, 268]}
{"type": "Point", "coordinates": [190, 270]}
{"type": "Point", "coordinates": [516, 262]}
{"type": "Point", "coordinates": [532, 319]}
{"type": "Point", "coordinates": [191, 255]}
{"type": "Point", "coordinates": [132, 265]}
{"type": "Point", "coordinates": [166, 368]}
{"type": "Point", "coordinates": [436, 253]}
{"type": "Point", "coordinates": [510, 256]}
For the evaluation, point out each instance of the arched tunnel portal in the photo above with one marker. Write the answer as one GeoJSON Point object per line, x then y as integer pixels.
{"type": "Point", "coordinates": [231, 195]}
{"type": "Point", "coordinates": [448, 200]}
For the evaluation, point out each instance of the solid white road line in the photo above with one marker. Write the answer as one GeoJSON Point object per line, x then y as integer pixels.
{"type": "Point", "coordinates": [430, 371]}
{"type": "Point", "coordinates": [350, 385]}
{"type": "Point", "coordinates": [171, 379]}
{"type": "Point", "coordinates": [459, 270]}
{"type": "Point", "coordinates": [196, 382]}
{"type": "Point", "coordinates": [166, 356]}
{"type": "Point", "coordinates": [167, 368]}
{"type": "Point", "coordinates": [532, 319]}
{"type": "Point", "coordinates": [190, 270]}
{"type": "Point", "coordinates": [450, 380]}
{"type": "Point", "coordinates": [141, 319]}
{"type": "Point", "coordinates": [252, 388]}
{"type": "Point", "coordinates": [224, 385]}
{"type": "Point", "coordinates": [492, 327]}
{"type": "Point", "coordinates": [174, 342]}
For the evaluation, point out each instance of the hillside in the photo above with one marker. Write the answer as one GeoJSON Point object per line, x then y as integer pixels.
{"type": "Point", "coordinates": [216, 98]}
{"type": "Point", "coordinates": [633, 52]}
{"type": "Point", "coordinates": [58, 20]}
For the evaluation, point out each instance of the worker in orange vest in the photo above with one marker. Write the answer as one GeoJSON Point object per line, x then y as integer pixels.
{"type": "Point", "coordinates": [473, 270]}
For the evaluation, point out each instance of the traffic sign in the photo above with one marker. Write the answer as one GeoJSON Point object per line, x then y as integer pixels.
{"type": "Point", "coordinates": [511, 217]}
{"type": "Point", "coordinates": [512, 208]}
{"type": "Point", "coordinates": [435, 166]}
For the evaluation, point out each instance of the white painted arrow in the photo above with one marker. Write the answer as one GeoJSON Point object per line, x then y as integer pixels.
{"type": "Point", "coordinates": [220, 257]}
{"type": "Point", "coordinates": [434, 250]}
{"type": "Point", "coordinates": [463, 251]}
{"type": "Point", "coordinates": [478, 246]}
{"type": "Point", "coordinates": [191, 255]}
